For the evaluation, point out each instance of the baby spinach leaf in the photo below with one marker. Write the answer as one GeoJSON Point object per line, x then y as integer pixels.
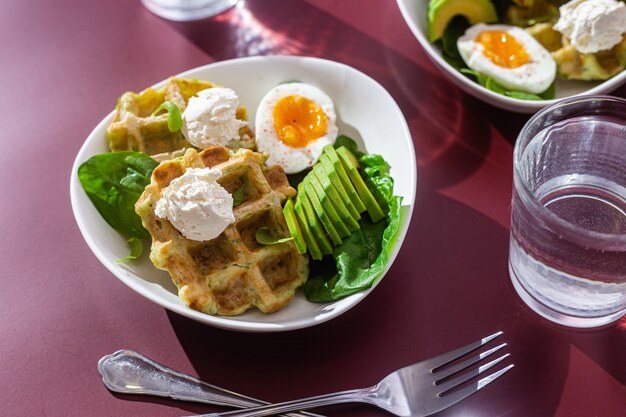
{"type": "Point", "coordinates": [113, 182]}
{"type": "Point", "coordinates": [174, 117]}
{"type": "Point", "coordinates": [490, 84]}
{"type": "Point", "coordinates": [359, 260]}
{"type": "Point", "coordinates": [448, 42]}
{"type": "Point", "coordinates": [522, 95]}
{"type": "Point", "coordinates": [477, 76]}
{"type": "Point", "coordinates": [136, 248]}
{"type": "Point", "coordinates": [238, 196]}
{"type": "Point", "coordinates": [264, 238]}
{"type": "Point", "coordinates": [550, 93]}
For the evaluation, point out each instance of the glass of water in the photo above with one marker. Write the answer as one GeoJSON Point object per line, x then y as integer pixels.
{"type": "Point", "coordinates": [567, 256]}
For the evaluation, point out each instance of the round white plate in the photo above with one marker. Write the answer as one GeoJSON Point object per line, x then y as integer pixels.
{"type": "Point", "coordinates": [415, 13]}
{"type": "Point", "coordinates": [365, 111]}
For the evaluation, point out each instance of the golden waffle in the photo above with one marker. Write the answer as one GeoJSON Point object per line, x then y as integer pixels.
{"type": "Point", "coordinates": [602, 65]}
{"type": "Point", "coordinates": [231, 273]}
{"type": "Point", "coordinates": [574, 65]}
{"type": "Point", "coordinates": [134, 128]}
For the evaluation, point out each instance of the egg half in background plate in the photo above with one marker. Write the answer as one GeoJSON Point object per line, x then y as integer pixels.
{"type": "Point", "coordinates": [509, 55]}
{"type": "Point", "coordinates": [294, 121]}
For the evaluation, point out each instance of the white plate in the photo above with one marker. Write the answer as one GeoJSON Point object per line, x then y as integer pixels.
{"type": "Point", "coordinates": [415, 13]}
{"type": "Point", "coordinates": [365, 112]}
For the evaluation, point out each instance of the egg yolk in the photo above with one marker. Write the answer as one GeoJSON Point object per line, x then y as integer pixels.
{"type": "Point", "coordinates": [298, 121]}
{"type": "Point", "coordinates": [502, 48]}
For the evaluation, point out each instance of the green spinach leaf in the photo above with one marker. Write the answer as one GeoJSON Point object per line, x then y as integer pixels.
{"type": "Point", "coordinates": [136, 248]}
{"type": "Point", "coordinates": [113, 182]}
{"type": "Point", "coordinates": [239, 195]}
{"type": "Point", "coordinates": [550, 93]}
{"type": "Point", "coordinates": [490, 84]}
{"type": "Point", "coordinates": [359, 260]}
{"type": "Point", "coordinates": [448, 42]}
{"type": "Point", "coordinates": [174, 117]}
{"type": "Point", "coordinates": [264, 238]}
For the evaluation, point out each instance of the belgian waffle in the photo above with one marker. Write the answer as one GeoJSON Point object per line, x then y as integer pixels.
{"type": "Point", "coordinates": [231, 273]}
{"type": "Point", "coordinates": [134, 128]}
{"type": "Point", "coordinates": [574, 65]}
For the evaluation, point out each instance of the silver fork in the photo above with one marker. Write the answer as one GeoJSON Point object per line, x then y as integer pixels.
{"type": "Point", "coordinates": [417, 390]}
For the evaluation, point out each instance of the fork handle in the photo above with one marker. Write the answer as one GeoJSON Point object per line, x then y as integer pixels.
{"type": "Point", "coordinates": [351, 396]}
{"type": "Point", "coordinates": [129, 372]}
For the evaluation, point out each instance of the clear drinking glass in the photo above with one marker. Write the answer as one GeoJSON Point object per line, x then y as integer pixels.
{"type": "Point", "coordinates": [186, 10]}
{"type": "Point", "coordinates": [567, 257]}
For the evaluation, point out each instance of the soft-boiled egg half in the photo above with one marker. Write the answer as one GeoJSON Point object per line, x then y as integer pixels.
{"type": "Point", "coordinates": [509, 55]}
{"type": "Point", "coordinates": [294, 121]}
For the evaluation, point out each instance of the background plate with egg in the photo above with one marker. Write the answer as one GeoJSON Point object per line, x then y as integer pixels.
{"type": "Point", "coordinates": [415, 15]}
{"type": "Point", "coordinates": [379, 129]}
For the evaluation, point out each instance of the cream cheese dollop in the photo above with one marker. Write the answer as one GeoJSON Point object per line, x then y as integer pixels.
{"type": "Point", "coordinates": [196, 205]}
{"type": "Point", "coordinates": [592, 25]}
{"type": "Point", "coordinates": [210, 118]}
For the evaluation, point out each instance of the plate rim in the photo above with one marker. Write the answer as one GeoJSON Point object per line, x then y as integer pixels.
{"type": "Point", "coordinates": [225, 322]}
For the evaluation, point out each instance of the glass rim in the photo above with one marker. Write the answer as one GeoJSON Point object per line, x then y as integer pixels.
{"type": "Point", "coordinates": [547, 217]}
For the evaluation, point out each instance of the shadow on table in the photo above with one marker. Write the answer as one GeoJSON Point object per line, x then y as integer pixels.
{"type": "Point", "coordinates": [448, 127]}
{"type": "Point", "coordinates": [453, 263]}
{"type": "Point", "coordinates": [448, 287]}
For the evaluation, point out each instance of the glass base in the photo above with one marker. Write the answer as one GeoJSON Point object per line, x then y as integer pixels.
{"type": "Point", "coordinates": [558, 317]}
{"type": "Point", "coordinates": [184, 11]}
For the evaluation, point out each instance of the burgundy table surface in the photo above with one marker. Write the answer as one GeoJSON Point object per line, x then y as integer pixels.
{"type": "Point", "coordinates": [64, 63]}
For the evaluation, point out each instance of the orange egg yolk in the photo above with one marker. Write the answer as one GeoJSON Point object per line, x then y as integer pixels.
{"type": "Point", "coordinates": [298, 121]}
{"type": "Point", "coordinates": [502, 48]}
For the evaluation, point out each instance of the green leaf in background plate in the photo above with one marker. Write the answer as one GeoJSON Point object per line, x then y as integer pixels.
{"type": "Point", "coordinates": [490, 84]}
{"type": "Point", "coordinates": [550, 93]}
{"type": "Point", "coordinates": [174, 117]}
{"type": "Point", "coordinates": [477, 76]}
{"type": "Point", "coordinates": [448, 42]}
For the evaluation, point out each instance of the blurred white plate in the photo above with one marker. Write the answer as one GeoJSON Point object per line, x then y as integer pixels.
{"type": "Point", "coordinates": [415, 13]}
{"type": "Point", "coordinates": [380, 128]}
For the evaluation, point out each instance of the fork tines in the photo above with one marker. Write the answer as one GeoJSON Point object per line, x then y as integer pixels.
{"type": "Point", "coordinates": [447, 370]}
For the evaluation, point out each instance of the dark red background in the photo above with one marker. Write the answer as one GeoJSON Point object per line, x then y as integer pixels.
{"type": "Point", "coordinates": [63, 65]}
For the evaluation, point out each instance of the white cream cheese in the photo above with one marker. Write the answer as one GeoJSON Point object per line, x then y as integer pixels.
{"type": "Point", "coordinates": [210, 118]}
{"type": "Point", "coordinates": [196, 204]}
{"type": "Point", "coordinates": [592, 25]}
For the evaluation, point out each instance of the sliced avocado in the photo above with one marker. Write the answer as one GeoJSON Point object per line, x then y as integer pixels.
{"type": "Point", "coordinates": [441, 12]}
{"type": "Point", "coordinates": [317, 229]}
{"type": "Point", "coordinates": [332, 156]}
{"type": "Point", "coordinates": [294, 227]}
{"type": "Point", "coordinates": [321, 214]}
{"type": "Point", "coordinates": [331, 193]}
{"type": "Point", "coordinates": [350, 164]}
{"type": "Point", "coordinates": [332, 175]}
{"type": "Point", "coordinates": [307, 233]}
{"type": "Point", "coordinates": [328, 207]}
